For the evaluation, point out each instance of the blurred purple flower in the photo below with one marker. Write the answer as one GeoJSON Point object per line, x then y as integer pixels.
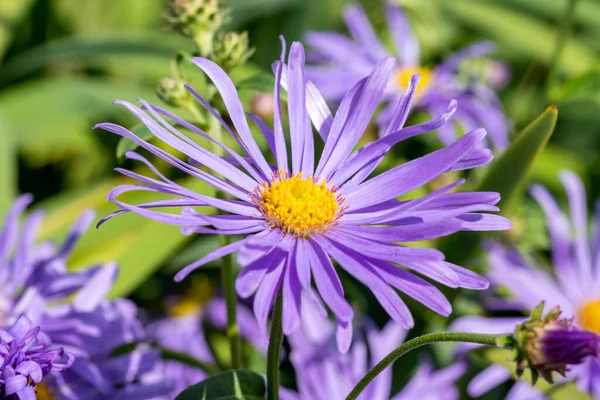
{"type": "Point", "coordinates": [26, 356]}
{"type": "Point", "coordinates": [185, 333]}
{"type": "Point", "coordinates": [573, 284]}
{"type": "Point", "coordinates": [72, 311]}
{"type": "Point", "coordinates": [341, 61]}
{"type": "Point", "coordinates": [297, 219]}
{"type": "Point", "coordinates": [322, 373]}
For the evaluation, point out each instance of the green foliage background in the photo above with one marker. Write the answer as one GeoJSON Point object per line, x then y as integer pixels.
{"type": "Point", "coordinates": [63, 62]}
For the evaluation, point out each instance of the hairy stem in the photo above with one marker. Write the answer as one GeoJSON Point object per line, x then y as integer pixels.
{"type": "Point", "coordinates": [412, 344]}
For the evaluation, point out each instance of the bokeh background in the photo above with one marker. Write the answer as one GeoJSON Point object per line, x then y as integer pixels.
{"type": "Point", "coordinates": [63, 62]}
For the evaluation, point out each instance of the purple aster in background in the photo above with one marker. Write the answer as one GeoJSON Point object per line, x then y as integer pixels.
{"type": "Point", "coordinates": [340, 62]}
{"type": "Point", "coordinates": [183, 331]}
{"type": "Point", "coordinates": [26, 356]}
{"type": "Point", "coordinates": [323, 373]}
{"type": "Point", "coordinates": [573, 284]}
{"type": "Point", "coordinates": [71, 310]}
{"type": "Point", "coordinates": [297, 218]}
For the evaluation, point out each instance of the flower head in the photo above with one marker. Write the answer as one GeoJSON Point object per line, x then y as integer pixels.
{"type": "Point", "coordinates": [547, 344]}
{"type": "Point", "coordinates": [298, 216]}
{"type": "Point", "coordinates": [71, 309]}
{"type": "Point", "coordinates": [573, 284]}
{"type": "Point", "coordinates": [339, 62]}
{"type": "Point", "coordinates": [26, 356]}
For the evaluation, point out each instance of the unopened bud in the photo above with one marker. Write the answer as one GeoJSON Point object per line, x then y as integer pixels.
{"type": "Point", "coordinates": [193, 17]}
{"type": "Point", "coordinates": [547, 344]}
{"type": "Point", "coordinates": [232, 49]}
{"type": "Point", "coordinates": [173, 92]}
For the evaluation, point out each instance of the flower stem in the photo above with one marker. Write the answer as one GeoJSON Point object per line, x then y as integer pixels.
{"type": "Point", "coordinates": [228, 280]}
{"type": "Point", "coordinates": [274, 351]}
{"type": "Point", "coordinates": [412, 344]}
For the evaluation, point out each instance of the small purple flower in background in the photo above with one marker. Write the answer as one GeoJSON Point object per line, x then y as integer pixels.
{"type": "Point", "coordinates": [26, 356]}
{"type": "Point", "coordinates": [573, 285]}
{"type": "Point", "coordinates": [71, 310]}
{"type": "Point", "coordinates": [322, 373]}
{"type": "Point", "coordinates": [297, 218]}
{"type": "Point", "coordinates": [183, 332]}
{"type": "Point", "coordinates": [340, 62]}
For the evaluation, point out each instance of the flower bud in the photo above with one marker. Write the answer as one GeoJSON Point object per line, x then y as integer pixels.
{"type": "Point", "coordinates": [549, 344]}
{"type": "Point", "coordinates": [193, 17]}
{"type": "Point", "coordinates": [232, 49]}
{"type": "Point", "coordinates": [173, 92]}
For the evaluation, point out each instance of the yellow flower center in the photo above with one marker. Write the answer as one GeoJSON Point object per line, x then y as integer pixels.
{"type": "Point", "coordinates": [43, 392]}
{"type": "Point", "coordinates": [589, 317]}
{"type": "Point", "coordinates": [298, 206]}
{"type": "Point", "coordinates": [403, 75]}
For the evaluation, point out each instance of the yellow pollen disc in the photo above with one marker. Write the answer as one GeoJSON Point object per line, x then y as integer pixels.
{"type": "Point", "coordinates": [403, 76]}
{"type": "Point", "coordinates": [299, 206]}
{"type": "Point", "coordinates": [589, 317]}
{"type": "Point", "coordinates": [43, 392]}
{"type": "Point", "coordinates": [184, 307]}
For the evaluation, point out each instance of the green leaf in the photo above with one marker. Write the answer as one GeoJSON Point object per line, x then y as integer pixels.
{"type": "Point", "coordinates": [8, 171]}
{"type": "Point", "coordinates": [262, 82]}
{"type": "Point", "coordinates": [508, 173]}
{"type": "Point", "coordinates": [126, 145]}
{"type": "Point", "coordinates": [238, 384]}
{"type": "Point", "coordinates": [509, 28]}
{"type": "Point", "coordinates": [11, 13]}
{"type": "Point", "coordinates": [93, 50]}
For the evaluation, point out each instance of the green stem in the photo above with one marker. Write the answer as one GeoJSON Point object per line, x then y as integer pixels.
{"type": "Point", "coordinates": [561, 39]}
{"type": "Point", "coordinates": [228, 279]}
{"type": "Point", "coordinates": [185, 358]}
{"type": "Point", "coordinates": [274, 351]}
{"type": "Point", "coordinates": [412, 344]}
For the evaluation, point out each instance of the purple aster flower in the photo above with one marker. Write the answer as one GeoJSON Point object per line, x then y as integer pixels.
{"type": "Point", "coordinates": [72, 311]}
{"type": "Point", "coordinates": [297, 218]}
{"type": "Point", "coordinates": [323, 373]}
{"type": "Point", "coordinates": [341, 62]}
{"type": "Point", "coordinates": [573, 284]}
{"type": "Point", "coordinates": [26, 356]}
{"type": "Point", "coordinates": [184, 332]}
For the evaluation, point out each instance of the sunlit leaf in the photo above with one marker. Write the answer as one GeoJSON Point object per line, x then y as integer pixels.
{"type": "Point", "coordinates": [520, 34]}
{"type": "Point", "coordinates": [93, 51]}
{"type": "Point", "coordinates": [239, 384]}
{"type": "Point", "coordinates": [8, 171]}
{"type": "Point", "coordinates": [508, 173]}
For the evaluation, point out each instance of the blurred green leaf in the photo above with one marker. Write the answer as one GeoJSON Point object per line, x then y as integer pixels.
{"type": "Point", "coordinates": [238, 384]}
{"type": "Point", "coordinates": [523, 35]}
{"type": "Point", "coordinates": [263, 82]}
{"type": "Point", "coordinates": [99, 16]}
{"type": "Point", "coordinates": [508, 173]}
{"type": "Point", "coordinates": [8, 171]}
{"type": "Point", "coordinates": [50, 120]}
{"type": "Point", "coordinates": [94, 50]}
{"type": "Point", "coordinates": [126, 145]}
{"type": "Point", "coordinates": [11, 13]}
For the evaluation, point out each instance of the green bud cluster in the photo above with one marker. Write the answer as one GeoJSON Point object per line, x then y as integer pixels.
{"type": "Point", "coordinates": [232, 49]}
{"type": "Point", "coordinates": [527, 344]}
{"type": "Point", "coordinates": [172, 91]}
